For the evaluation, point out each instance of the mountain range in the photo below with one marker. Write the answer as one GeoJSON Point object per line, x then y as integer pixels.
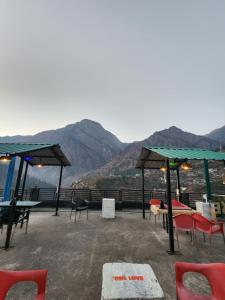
{"type": "Point", "coordinates": [91, 148]}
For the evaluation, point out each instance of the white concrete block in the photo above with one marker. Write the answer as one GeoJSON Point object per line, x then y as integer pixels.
{"type": "Point", "coordinates": [130, 281]}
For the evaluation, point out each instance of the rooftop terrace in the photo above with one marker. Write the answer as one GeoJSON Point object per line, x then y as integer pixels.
{"type": "Point", "coordinates": [75, 253]}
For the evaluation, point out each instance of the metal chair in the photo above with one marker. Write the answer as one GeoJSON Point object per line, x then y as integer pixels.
{"type": "Point", "coordinates": [78, 205]}
{"type": "Point", "coordinates": [21, 216]}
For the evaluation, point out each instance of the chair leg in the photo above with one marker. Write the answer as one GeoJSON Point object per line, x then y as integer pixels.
{"type": "Point", "coordinates": [204, 237]}
{"type": "Point", "coordinates": [14, 230]}
{"type": "Point", "coordinates": [223, 237]}
{"type": "Point", "coordinates": [155, 219]}
{"type": "Point", "coordinates": [79, 214]}
{"type": "Point", "coordinates": [87, 214]}
{"type": "Point", "coordinates": [195, 237]}
{"type": "Point", "coordinates": [21, 224]}
{"type": "Point", "coordinates": [71, 212]}
{"type": "Point", "coordinates": [27, 221]}
{"type": "Point", "coordinates": [192, 237]}
{"type": "Point", "coordinates": [75, 221]}
{"type": "Point", "coordinates": [210, 242]}
{"type": "Point", "coordinates": [178, 244]}
{"type": "Point", "coordinates": [26, 227]}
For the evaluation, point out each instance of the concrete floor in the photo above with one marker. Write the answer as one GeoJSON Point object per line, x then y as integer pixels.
{"type": "Point", "coordinates": [75, 253]}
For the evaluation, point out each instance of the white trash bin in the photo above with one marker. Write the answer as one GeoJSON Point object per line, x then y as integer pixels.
{"type": "Point", "coordinates": [108, 208]}
{"type": "Point", "coordinates": [207, 210]}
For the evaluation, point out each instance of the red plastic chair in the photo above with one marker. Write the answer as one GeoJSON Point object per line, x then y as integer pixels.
{"type": "Point", "coordinates": [209, 227]}
{"type": "Point", "coordinates": [185, 223]}
{"type": "Point", "coordinates": [215, 273]}
{"type": "Point", "coordinates": [9, 278]}
{"type": "Point", "coordinates": [154, 202]}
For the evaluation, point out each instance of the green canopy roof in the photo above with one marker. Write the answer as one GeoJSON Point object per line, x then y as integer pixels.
{"type": "Point", "coordinates": [154, 157]}
{"type": "Point", "coordinates": [45, 154]}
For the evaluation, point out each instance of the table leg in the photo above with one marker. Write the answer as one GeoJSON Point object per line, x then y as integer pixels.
{"type": "Point", "coordinates": [167, 230]}
{"type": "Point", "coordinates": [21, 224]}
{"type": "Point", "coordinates": [28, 216]}
{"type": "Point", "coordinates": [164, 225]}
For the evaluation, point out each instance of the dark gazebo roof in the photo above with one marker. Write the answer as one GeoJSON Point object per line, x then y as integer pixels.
{"type": "Point", "coordinates": [34, 154]}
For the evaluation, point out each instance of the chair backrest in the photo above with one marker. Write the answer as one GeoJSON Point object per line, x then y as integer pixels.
{"type": "Point", "coordinates": [78, 202]}
{"type": "Point", "coordinates": [214, 272]}
{"type": "Point", "coordinates": [154, 201]}
{"type": "Point", "coordinates": [5, 215]}
{"type": "Point", "coordinates": [9, 278]}
{"type": "Point", "coordinates": [201, 222]}
{"type": "Point", "coordinates": [184, 222]}
{"type": "Point", "coordinates": [177, 203]}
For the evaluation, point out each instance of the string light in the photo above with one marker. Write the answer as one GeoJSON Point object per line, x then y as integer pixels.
{"type": "Point", "coordinates": [186, 166]}
{"type": "Point", "coordinates": [163, 169]}
{"type": "Point", "coordinates": [5, 158]}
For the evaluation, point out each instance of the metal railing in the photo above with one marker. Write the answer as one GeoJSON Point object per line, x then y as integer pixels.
{"type": "Point", "coordinates": [125, 198]}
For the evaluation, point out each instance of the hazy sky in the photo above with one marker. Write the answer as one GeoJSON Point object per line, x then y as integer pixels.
{"type": "Point", "coordinates": [135, 66]}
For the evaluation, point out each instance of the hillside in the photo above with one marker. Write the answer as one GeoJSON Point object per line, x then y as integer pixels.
{"type": "Point", "coordinates": [218, 135]}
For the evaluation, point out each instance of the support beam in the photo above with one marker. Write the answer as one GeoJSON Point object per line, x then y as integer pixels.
{"type": "Point", "coordinates": [18, 181]}
{"type": "Point", "coordinates": [12, 208]}
{"type": "Point", "coordinates": [207, 180]}
{"type": "Point", "coordinates": [58, 191]}
{"type": "Point", "coordinates": [143, 192]}
{"type": "Point", "coordinates": [178, 182]}
{"type": "Point", "coordinates": [24, 180]}
{"type": "Point", "coordinates": [170, 213]}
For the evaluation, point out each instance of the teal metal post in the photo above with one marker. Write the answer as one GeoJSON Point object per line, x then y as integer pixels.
{"type": "Point", "coordinates": [207, 180]}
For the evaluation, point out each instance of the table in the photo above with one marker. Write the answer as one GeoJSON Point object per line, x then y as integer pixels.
{"type": "Point", "coordinates": [20, 204]}
{"type": "Point", "coordinates": [176, 210]}
{"type": "Point", "coordinates": [129, 281]}
{"type": "Point", "coordinates": [108, 208]}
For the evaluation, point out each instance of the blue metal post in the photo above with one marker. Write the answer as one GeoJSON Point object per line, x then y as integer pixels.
{"type": "Point", "coordinates": [9, 179]}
